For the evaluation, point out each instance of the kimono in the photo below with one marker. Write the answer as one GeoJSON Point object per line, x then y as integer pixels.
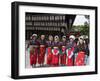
{"type": "Point", "coordinates": [80, 58]}
{"type": "Point", "coordinates": [63, 53]}
{"type": "Point", "coordinates": [42, 50]}
{"type": "Point", "coordinates": [55, 54]}
{"type": "Point", "coordinates": [70, 53]}
{"type": "Point", "coordinates": [33, 52]}
{"type": "Point", "coordinates": [49, 52]}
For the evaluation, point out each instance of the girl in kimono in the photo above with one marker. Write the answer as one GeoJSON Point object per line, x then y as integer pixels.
{"type": "Point", "coordinates": [49, 50]}
{"type": "Point", "coordinates": [80, 58]}
{"type": "Point", "coordinates": [42, 50]}
{"type": "Point", "coordinates": [70, 51]}
{"type": "Point", "coordinates": [33, 50]}
{"type": "Point", "coordinates": [63, 51]}
{"type": "Point", "coordinates": [55, 51]}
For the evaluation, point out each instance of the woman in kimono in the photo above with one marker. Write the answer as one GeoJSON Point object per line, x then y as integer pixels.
{"type": "Point", "coordinates": [33, 50]}
{"type": "Point", "coordinates": [70, 50]}
{"type": "Point", "coordinates": [63, 51]}
{"type": "Point", "coordinates": [80, 58]}
{"type": "Point", "coordinates": [55, 51]}
{"type": "Point", "coordinates": [42, 50]}
{"type": "Point", "coordinates": [49, 50]}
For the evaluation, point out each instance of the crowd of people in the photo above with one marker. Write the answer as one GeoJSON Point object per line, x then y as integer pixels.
{"type": "Point", "coordinates": [58, 52]}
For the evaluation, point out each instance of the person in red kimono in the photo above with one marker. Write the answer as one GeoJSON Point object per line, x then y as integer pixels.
{"type": "Point", "coordinates": [33, 50]}
{"type": "Point", "coordinates": [55, 51]}
{"type": "Point", "coordinates": [63, 51]}
{"type": "Point", "coordinates": [49, 50]}
{"type": "Point", "coordinates": [42, 50]}
{"type": "Point", "coordinates": [80, 58]}
{"type": "Point", "coordinates": [70, 50]}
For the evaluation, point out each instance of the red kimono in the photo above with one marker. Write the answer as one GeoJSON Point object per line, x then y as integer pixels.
{"type": "Point", "coordinates": [70, 53]}
{"type": "Point", "coordinates": [80, 59]}
{"type": "Point", "coordinates": [49, 52]}
{"type": "Point", "coordinates": [42, 51]}
{"type": "Point", "coordinates": [55, 57]}
{"type": "Point", "coordinates": [49, 56]}
{"type": "Point", "coordinates": [33, 57]}
{"type": "Point", "coordinates": [63, 56]}
{"type": "Point", "coordinates": [70, 60]}
{"type": "Point", "coordinates": [41, 55]}
{"type": "Point", "coordinates": [33, 52]}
